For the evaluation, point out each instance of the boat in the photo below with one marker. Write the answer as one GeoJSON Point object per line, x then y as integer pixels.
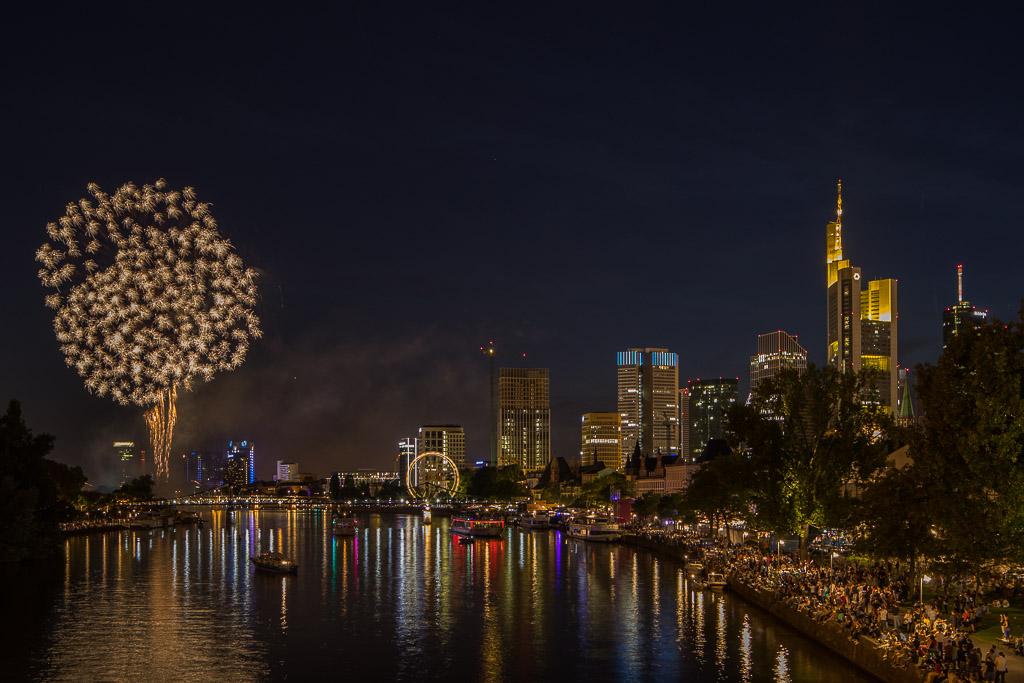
{"type": "Point", "coordinates": [344, 526]}
{"type": "Point", "coordinates": [599, 528]}
{"type": "Point", "coordinates": [274, 563]}
{"type": "Point", "coordinates": [146, 522]}
{"type": "Point", "coordinates": [466, 540]}
{"type": "Point", "coordinates": [716, 581]}
{"type": "Point", "coordinates": [535, 519]}
{"type": "Point", "coordinates": [477, 528]}
{"type": "Point", "coordinates": [695, 568]}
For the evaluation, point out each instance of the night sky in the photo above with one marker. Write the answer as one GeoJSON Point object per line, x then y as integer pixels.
{"type": "Point", "coordinates": [411, 183]}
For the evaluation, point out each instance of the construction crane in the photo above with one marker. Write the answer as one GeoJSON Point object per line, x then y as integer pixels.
{"type": "Point", "coordinates": [491, 352]}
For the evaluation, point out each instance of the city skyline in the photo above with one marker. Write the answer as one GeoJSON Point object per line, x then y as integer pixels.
{"type": "Point", "coordinates": [411, 185]}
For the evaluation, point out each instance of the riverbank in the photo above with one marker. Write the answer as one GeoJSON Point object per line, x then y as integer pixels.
{"type": "Point", "coordinates": [861, 652]}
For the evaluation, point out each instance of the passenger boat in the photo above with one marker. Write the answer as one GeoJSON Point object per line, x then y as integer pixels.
{"type": "Point", "coordinates": [535, 519]}
{"type": "Point", "coordinates": [344, 526]}
{"type": "Point", "coordinates": [275, 563]}
{"type": "Point", "coordinates": [594, 528]}
{"type": "Point", "coordinates": [477, 528]}
{"type": "Point", "coordinates": [695, 568]}
{"type": "Point", "coordinates": [146, 522]}
{"type": "Point", "coordinates": [717, 581]}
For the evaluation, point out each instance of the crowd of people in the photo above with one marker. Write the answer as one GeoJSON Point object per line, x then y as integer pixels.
{"type": "Point", "coordinates": [872, 604]}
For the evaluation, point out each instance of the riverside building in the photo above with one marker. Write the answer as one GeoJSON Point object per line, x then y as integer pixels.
{"type": "Point", "coordinates": [524, 418]}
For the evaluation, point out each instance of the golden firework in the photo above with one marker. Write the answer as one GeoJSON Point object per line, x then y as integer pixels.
{"type": "Point", "coordinates": [147, 297]}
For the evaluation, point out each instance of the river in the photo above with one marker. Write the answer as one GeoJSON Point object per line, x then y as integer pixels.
{"type": "Point", "coordinates": [399, 601]}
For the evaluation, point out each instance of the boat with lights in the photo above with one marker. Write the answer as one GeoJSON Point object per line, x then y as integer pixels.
{"type": "Point", "coordinates": [598, 528]}
{"type": "Point", "coordinates": [477, 528]}
{"type": "Point", "coordinates": [274, 563]}
{"type": "Point", "coordinates": [344, 526]}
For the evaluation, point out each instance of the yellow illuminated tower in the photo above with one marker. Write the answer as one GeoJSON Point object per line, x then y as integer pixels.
{"type": "Point", "coordinates": [861, 318]}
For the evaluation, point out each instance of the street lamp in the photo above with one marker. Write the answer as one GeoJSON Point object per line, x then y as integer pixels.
{"type": "Point", "coordinates": [831, 561]}
{"type": "Point", "coordinates": [779, 553]}
{"type": "Point", "coordinates": [923, 579]}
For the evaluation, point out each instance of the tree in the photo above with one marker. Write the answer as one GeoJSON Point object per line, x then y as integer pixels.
{"type": "Point", "coordinates": [139, 489]}
{"type": "Point", "coordinates": [599, 491]}
{"type": "Point", "coordinates": [721, 489]}
{"type": "Point", "coordinates": [335, 487]}
{"type": "Point", "coordinates": [971, 444]}
{"type": "Point", "coordinates": [806, 435]}
{"type": "Point", "coordinates": [647, 505]}
{"type": "Point", "coordinates": [496, 483]}
{"type": "Point", "coordinates": [896, 515]}
{"type": "Point", "coordinates": [31, 508]}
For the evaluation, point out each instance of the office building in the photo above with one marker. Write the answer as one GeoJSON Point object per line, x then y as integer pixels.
{"type": "Point", "coordinates": [602, 439]}
{"type": "Point", "coordinates": [776, 351]}
{"type": "Point", "coordinates": [862, 317]}
{"type": "Point", "coordinates": [648, 402]}
{"type": "Point", "coordinates": [286, 471]}
{"type": "Point", "coordinates": [710, 401]}
{"type": "Point", "coordinates": [684, 424]}
{"type": "Point", "coordinates": [204, 469]}
{"type": "Point", "coordinates": [241, 463]}
{"type": "Point", "coordinates": [406, 454]}
{"type": "Point", "coordinates": [963, 316]}
{"type": "Point", "coordinates": [127, 460]}
{"type": "Point", "coordinates": [447, 440]}
{"type": "Point", "coordinates": [524, 418]}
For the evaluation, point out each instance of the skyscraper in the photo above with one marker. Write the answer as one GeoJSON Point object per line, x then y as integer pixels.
{"type": "Point", "coordinates": [127, 461]}
{"type": "Point", "coordinates": [963, 315]}
{"type": "Point", "coordinates": [406, 454]}
{"type": "Point", "coordinates": [710, 400]}
{"type": "Point", "coordinates": [524, 418]}
{"type": "Point", "coordinates": [861, 322]}
{"type": "Point", "coordinates": [776, 351]}
{"type": "Point", "coordinates": [204, 469]}
{"type": "Point", "coordinates": [447, 440]}
{"type": "Point", "coordinates": [241, 463]}
{"type": "Point", "coordinates": [648, 395]}
{"type": "Point", "coordinates": [601, 439]}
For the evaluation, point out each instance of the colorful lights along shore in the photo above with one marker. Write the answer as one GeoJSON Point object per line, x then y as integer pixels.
{"type": "Point", "coordinates": [147, 297]}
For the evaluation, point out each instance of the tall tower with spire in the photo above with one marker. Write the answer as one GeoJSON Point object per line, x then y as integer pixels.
{"type": "Point", "coordinates": [861, 317]}
{"type": "Point", "coordinates": [963, 315]}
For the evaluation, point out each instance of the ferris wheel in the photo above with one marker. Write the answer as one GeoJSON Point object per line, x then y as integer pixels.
{"type": "Point", "coordinates": [432, 477]}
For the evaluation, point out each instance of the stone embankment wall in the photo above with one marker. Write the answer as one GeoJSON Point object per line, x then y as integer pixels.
{"type": "Point", "coordinates": [862, 653]}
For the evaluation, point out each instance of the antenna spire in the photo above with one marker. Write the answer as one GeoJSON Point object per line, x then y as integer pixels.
{"type": "Point", "coordinates": [960, 284]}
{"type": "Point", "coordinates": [839, 217]}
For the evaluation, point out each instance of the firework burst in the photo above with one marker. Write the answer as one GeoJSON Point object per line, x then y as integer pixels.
{"type": "Point", "coordinates": [148, 297]}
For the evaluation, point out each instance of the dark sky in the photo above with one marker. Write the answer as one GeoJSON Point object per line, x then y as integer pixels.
{"type": "Point", "coordinates": [569, 182]}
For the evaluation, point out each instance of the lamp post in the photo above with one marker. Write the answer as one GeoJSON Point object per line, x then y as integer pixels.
{"type": "Point", "coordinates": [779, 552]}
{"type": "Point", "coordinates": [831, 561]}
{"type": "Point", "coordinates": [923, 579]}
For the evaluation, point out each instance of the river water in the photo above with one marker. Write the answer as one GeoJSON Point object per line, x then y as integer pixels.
{"type": "Point", "coordinates": [400, 601]}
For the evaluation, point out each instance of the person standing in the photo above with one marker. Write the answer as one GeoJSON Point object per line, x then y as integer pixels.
{"type": "Point", "coordinates": [1000, 668]}
{"type": "Point", "coordinates": [1004, 624]}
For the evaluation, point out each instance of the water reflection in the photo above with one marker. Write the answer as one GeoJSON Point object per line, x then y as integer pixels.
{"type": "Point", "coordinates": [185, 604]}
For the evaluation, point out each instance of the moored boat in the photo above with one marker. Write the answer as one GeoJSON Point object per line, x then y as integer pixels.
{"type": "Point", "coordinates": [477, 528]}
{"type": "Point", "coordinates": [274, 563]}
{"type": "Point", "coordinates": [597, 528]}
{"type": "Point", "coordinates": [717, 581]}
{"type": "Point", "coordinates": [535, 519]}
{"type": "Point", "coordinates": [344, 526]}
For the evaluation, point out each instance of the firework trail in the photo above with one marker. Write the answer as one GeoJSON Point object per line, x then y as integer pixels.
{"type": "Point", "coordinates": [148, 297]}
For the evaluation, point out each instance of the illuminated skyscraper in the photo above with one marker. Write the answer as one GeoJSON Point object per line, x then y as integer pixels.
{"type": "Point", "coordinates": [128, 461]}
{"type": "Point", "coordinates": [524, 418]}
{"type": "Point", "coordinates": [710, 400]}
{"type": "Point", "coordinates": [447, 440]}
{"type": "Point", "coordinates": [406, 454]}
{"type": "Point", "coordinates": [963, 315]}
{"type": "Point", "coordinates": [602, 439]}
{"type": "Point", "coordinates": [241, 463]}
{"type": "Point", "coordinates": [684, 423]}
{"type": "Point", "coordinates": [776, 351]}
{"type": "Point", "coordinates": [648, 398]}
{"type": "Point", "coordinates": [204, 469]}
{"type": "Point", "coordinates": [861, 322]}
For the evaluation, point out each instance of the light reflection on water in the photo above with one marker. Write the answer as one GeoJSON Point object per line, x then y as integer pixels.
{"type": "Point", "coordinates": [398, 601]}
